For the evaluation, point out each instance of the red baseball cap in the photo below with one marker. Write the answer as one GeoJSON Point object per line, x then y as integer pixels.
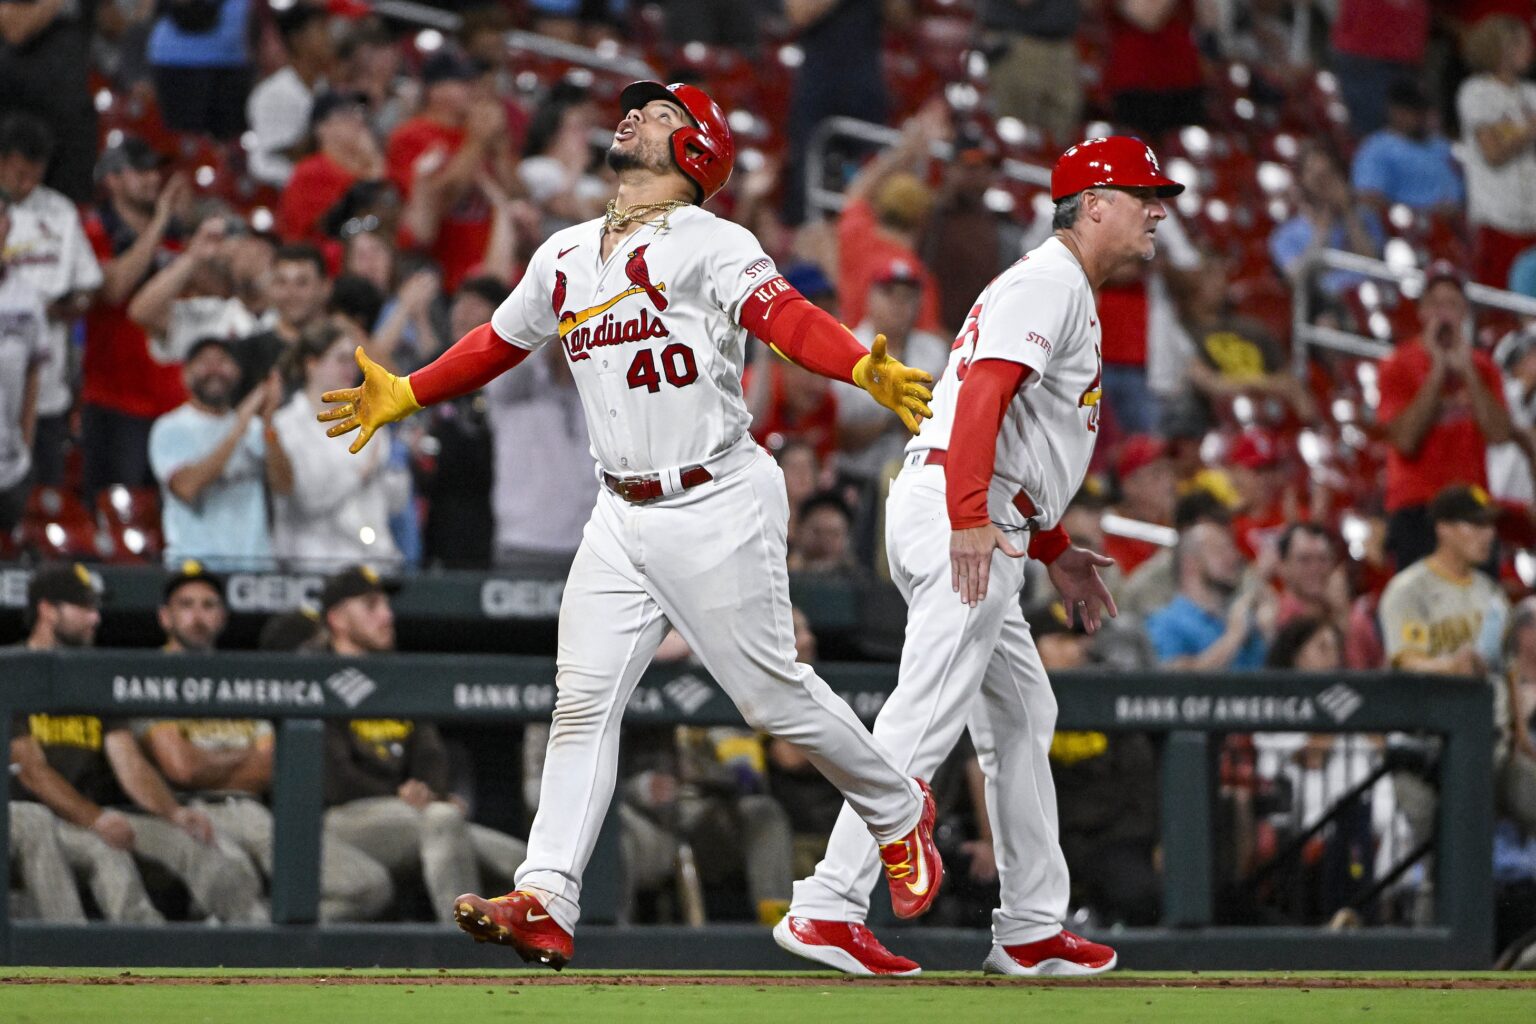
{"type": "Point", "coordinates": [1255, 449]}
{"type": "Point", "coordinates": [898, 270]}
{"type": "Point", "coordinates": [1138, 452]}
{"type": "Point", "coordinates": [1119, 161]}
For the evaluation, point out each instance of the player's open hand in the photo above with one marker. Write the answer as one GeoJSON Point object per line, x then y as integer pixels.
{"type": "Point", "coordinates": [970, 560]}
{"type": "Point", "coordinates": [898, 387]}
{"type": "Point", "coordinates": [381, 398]}
{"type": "Point", "coordinates": [1075, 575]}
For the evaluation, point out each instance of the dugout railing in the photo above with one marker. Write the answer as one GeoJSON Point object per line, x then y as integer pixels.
{"type": "Point", "coordinates": [1190, 712]}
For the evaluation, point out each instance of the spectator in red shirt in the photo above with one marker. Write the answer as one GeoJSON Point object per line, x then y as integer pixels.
{"type": "Point", "coordinates": [1376, 43]}
{"type": "Point", "coordinates": [123, 388]}
{"type": "Point", "coordinates": [1145, 475]}
{"type": "Point", "coordinates": [887, 209]}
{"type": "Point", "coordinates": [790, 403]}
{"type": "Point", "coordinates": [435, 158]}
{"type": "Point", "coordinates": [1257, 468]}
{"type": "Point", "coordinates": [1442, 406]}
{"type": "Point", "coordinates": [344, 154]}
{"type": "Point", "coordinates": [1312, 582]}
{"type": "Point", "coordinates": [1152, 73]}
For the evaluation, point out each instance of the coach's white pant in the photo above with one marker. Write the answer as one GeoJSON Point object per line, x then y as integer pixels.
{"type": "Point", "coordinates": [711, 561]}
{"type": "Point", "coordinates": [961, 667]}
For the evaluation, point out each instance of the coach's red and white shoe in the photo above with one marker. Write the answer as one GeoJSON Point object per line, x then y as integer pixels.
{"type": "Point", "coordinates": [913, 869]}
{"type": "Point", "coordinates": [844, 945]}
{"type": "Point", "coordinates": [1062, 954]}
{"type": "Point", "coordinates": [518, 920]}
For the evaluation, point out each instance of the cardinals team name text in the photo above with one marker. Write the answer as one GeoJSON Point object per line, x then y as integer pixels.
{"type": "Point", "coordinates": [610, 331]}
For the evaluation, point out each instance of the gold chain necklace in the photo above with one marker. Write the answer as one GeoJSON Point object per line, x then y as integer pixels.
{"type": "Point", "coordinates": [615, 219]}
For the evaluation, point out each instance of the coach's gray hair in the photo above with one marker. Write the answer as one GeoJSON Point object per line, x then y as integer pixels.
{"type": "Point", "coordinates": [1066, 211]}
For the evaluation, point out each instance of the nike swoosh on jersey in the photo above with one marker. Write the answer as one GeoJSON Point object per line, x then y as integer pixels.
{"type": "Point", "coordinates": [561, 254]}
{"type": "Point", "coordinates": [533, 918]}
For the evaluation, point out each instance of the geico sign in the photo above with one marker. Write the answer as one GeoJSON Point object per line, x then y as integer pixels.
{"type": "Point", "coordinates": [521, 599]}
{"type": "Point", "coordinates": [272, 592]}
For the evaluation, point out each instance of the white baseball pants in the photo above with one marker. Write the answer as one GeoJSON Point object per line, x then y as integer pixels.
{"type": "Point", "coordinates": [961, 667]}
{"type": "Point", "coordinates": [711, 561]}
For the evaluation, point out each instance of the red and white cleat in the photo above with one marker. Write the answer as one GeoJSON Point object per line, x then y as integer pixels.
{"type": "Point", "coordinates": [844, 945]}
{"type": "Point", "coordinates": [1061, 954]}
{"type": "Point", "coordinates": [913, 869]}
{"type": "Point", "coordinates": [518, 920]}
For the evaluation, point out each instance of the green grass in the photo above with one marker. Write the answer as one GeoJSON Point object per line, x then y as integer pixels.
{"type": "Point", "coordinates": [426, 999]}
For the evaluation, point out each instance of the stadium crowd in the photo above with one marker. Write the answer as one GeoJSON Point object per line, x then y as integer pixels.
{"type": "Point", "coordinates": [207, 205]}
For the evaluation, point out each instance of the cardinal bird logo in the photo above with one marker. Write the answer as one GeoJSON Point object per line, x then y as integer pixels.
{"type": "Point", "coordinates": [557, 297]}
{"type": "Point", "coordinates": [640, 276]}
{"type": "Point", "coordinates": [640, 284]}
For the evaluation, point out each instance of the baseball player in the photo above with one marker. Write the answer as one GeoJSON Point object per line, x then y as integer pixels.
{"type": "Point", "coordinates": [652, 304]}
{"type": "Point", "coordinates": [1016, 413]}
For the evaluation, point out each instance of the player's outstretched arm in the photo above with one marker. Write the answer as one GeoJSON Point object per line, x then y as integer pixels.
{"type": "Point", "coordinates": [808, 336]}
{"type": "Point", "coordinates": [468, 365]}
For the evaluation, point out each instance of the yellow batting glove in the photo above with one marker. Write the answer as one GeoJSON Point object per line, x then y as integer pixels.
{"type": "Point", "coordinates": [382, 398]}
{"type": "Point", "coordinates": [898, 387]}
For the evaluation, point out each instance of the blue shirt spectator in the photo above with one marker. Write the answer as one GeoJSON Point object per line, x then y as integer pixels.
{"type": "Point", "coordinates": [1327, 217]}
{"type": "Point", "coordinates": [1183, 629]}
{"type": "Point", "coordinates": [222, 45]}
{"type": "Point", "coordinates": [1404, 163]}
{"type": "Point", "coordinates": [1208, 625]}
{"type": "Point", "coordinates": [214, 463]}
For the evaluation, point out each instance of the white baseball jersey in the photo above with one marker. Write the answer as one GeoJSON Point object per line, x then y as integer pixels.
{"type": "Point", "coordinates": [47, 247]}
{"type": "Point", "coordinates": [1039, 312]}
{"type": "Point", "coordinates": [650, 334]}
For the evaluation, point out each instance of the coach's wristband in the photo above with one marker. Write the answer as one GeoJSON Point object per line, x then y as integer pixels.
{"type": "Point", "coordinates": [1045, 546]}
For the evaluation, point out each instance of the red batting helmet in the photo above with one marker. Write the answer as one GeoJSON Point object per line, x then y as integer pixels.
{"type": "Point", "coordinates": [704, 151]}
{"type": "Point", "coordinates": [1119, 160]}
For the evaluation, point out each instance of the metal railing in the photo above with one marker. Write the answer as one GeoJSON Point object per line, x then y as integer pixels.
{"type": "Point", "coordinates": [1189, 710]}
{"type": "Point", "coordinates": [1305, 334]}
{"type": "Point", "coordinates": [824, 200]}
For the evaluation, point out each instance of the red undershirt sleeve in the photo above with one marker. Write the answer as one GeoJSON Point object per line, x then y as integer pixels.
{"type": "Point", "coordinates": [989, 386]}
{"type": "Point", "coordinates": [468, 365]}
{"type": "Point", "coordinates": [801, 331]}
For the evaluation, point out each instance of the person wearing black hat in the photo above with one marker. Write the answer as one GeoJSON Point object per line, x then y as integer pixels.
{"type": "Point", "coordinates": [92, 774]}
{"type": "Point", "coordinates": [123, 388]}
{"type": "Point", "coordinates": [223, 766]}
{"type": "Point", "coordinates": [386, 780]}
{"type": "Point", "coordinates": [1433, 612]}
{"type": "Point", "coordinates": [1406, 162]}
{"type": "Point", "coordinates": [1438, 615]}
{"type": "Point", "coordinates": [343, 153]}
{"type": "Point", "coordinates": [1441, 408]}
{"type": "Point", "coordinates": [458, 136]}
{"type": "Point", "coordinates": [214, 463]}
{"type": "Point", "coordinates": [279, 106]}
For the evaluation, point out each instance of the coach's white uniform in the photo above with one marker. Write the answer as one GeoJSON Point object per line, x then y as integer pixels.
{"type": "Point", "coordinates": [654, 345]}
{"type": "Point", "coordinates": [978, 667]}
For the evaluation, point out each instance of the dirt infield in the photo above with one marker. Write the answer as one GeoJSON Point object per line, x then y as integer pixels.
{"type": "Point", "coordinates": [661, 981]}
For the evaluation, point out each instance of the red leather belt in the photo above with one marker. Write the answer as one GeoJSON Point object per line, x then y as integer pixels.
{"type": "Point", "coordinates": [1021, 501]}
{"type": "Point", "coordinates": [649, 489]}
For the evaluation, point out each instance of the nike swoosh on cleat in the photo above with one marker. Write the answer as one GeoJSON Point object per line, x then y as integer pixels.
{"type": "Point", "coordinates": [561, 254]}
{"type": "Point", "coordinates": [531, 917]}
{"type": "Point", "coordinates": [920, 887]}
